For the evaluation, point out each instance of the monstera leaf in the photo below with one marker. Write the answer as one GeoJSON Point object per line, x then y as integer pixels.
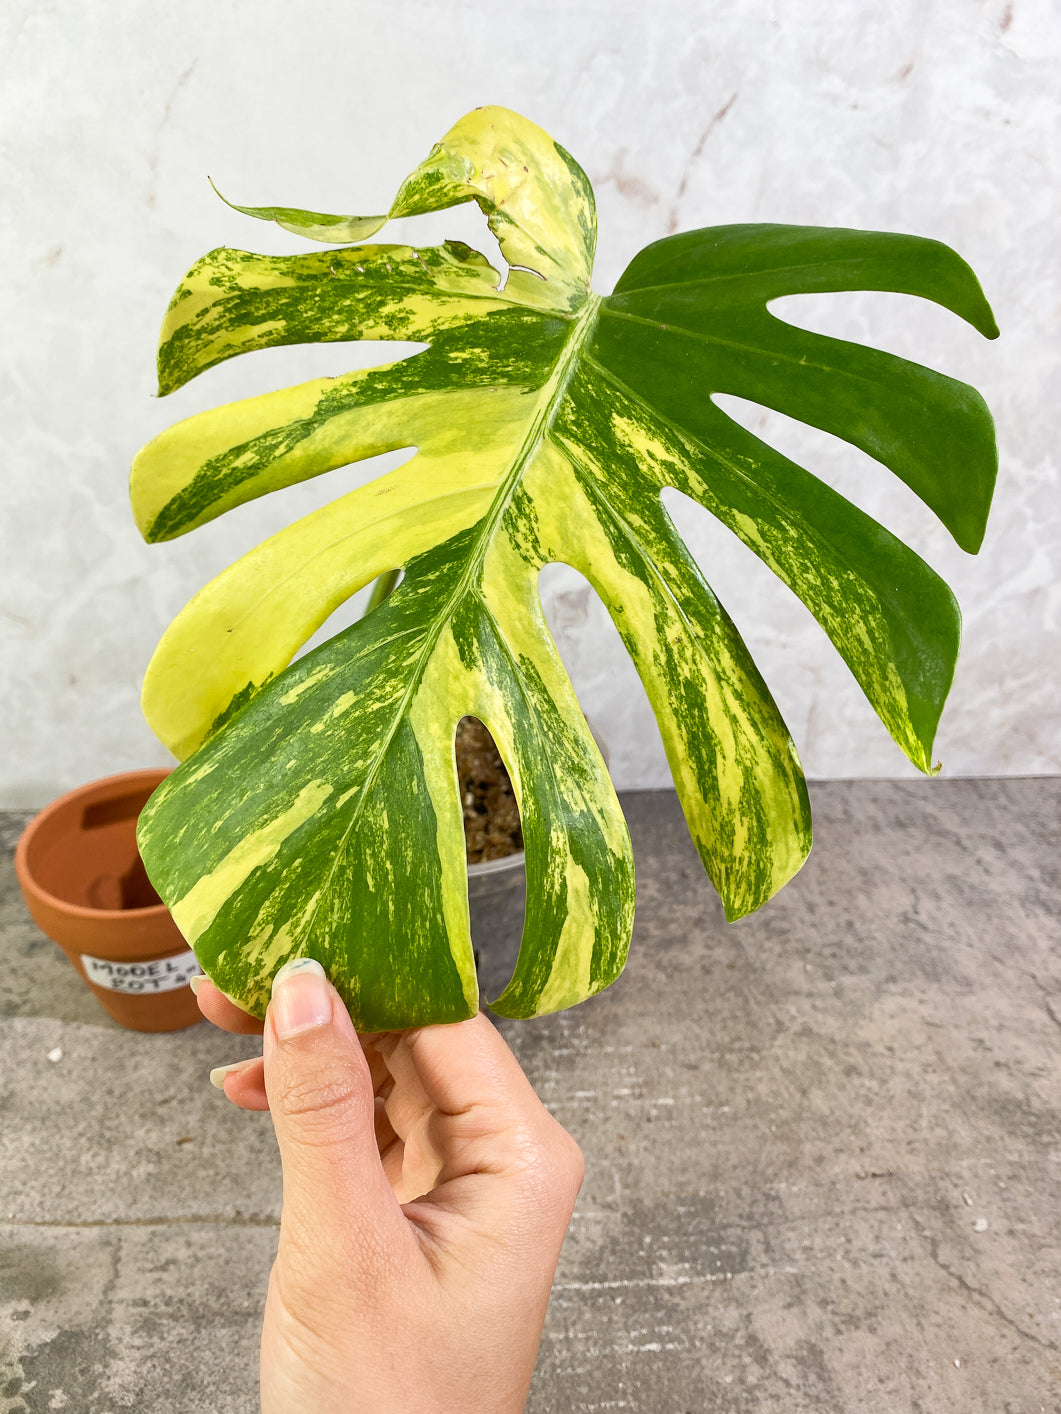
{"type": "Point", "coordinates": [317, 812]}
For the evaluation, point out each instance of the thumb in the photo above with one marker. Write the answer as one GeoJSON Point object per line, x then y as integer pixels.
{"type": "Point", "coordinates": [322, 1103]}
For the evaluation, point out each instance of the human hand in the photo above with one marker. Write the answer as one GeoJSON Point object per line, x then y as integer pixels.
{"type": "Point", "coordinates": [427, 1192]}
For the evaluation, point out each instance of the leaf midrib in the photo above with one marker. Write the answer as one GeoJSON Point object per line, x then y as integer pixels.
{"type": "Point", "coordinates": [547, 406]}
{"type": "Point", "coordinates": [778, 355]}
{"type": "Point", "coordinates": [322, 550]}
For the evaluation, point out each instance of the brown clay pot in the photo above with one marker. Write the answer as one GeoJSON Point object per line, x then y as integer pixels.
{"type": "Point", "coordinates": [86, 887]}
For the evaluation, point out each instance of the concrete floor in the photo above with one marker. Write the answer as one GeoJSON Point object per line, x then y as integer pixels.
{"type": "Point", "coordinates": [822, 1144]}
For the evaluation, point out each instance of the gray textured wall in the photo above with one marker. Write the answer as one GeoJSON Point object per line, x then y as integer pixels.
{"type": "Point", "coordinates": [933, 116]}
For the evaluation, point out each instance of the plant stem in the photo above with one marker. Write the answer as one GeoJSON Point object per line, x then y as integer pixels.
{"type": "Point", "coordinates": [382, 588]}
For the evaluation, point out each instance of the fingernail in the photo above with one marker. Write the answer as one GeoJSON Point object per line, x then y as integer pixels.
{"type": "Point", "coordinates": [217, 1075]}
{"type": "Point", "coordinates": [196, 983]}
{"type": "Point", "coordinates": [302, 998]}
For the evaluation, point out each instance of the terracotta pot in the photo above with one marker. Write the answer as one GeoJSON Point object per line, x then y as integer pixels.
{"type": "Point", "coordinates": [86, 887]}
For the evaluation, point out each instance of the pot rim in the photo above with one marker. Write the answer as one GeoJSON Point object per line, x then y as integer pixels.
{"type": "Point", "coordinates": [121, 780]}
{"type": "Point", "coordinates": [497, 866]}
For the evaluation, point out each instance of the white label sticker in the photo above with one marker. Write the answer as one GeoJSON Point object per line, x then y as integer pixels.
{"type": "Point", "coordinates": [162, 974]}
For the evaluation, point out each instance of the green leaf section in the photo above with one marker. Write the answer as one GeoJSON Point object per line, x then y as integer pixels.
{"type": "Point", "coordinates": [314, 225]}
{"type": "Point", "coordinates": [317, 812]}
{"type": "Point", "coordinates": [710, 289]}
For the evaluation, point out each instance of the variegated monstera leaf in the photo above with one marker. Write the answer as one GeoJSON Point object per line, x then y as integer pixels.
{"type": "Point", "coordinates": [318, 812]}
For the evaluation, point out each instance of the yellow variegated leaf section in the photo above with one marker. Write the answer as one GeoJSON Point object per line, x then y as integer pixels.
{"type": "Point", "coordinates": [246, 625]}
{"type": "Point", "coordinates": [537, 199]}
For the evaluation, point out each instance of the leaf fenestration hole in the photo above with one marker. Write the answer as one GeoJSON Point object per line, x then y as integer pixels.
{"type": "Point", "coordinates": [830, 720]}
{"type": "Point", "coordinates": [899, 324]}
{"type": "Point", "coordinates": [492, 828]}
{"type": "Point", "coordinates": [497, 891]}
{"type": "Point", "coordinates": [857, 476]}
{"type": "Point", "coordinates": [465, 222]}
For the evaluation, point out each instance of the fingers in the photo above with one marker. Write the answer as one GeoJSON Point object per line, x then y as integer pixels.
{"type": "Point", "coordinates": [437, 1302]}
{"type": "Point", "coordinates": [243, 1082]}
{"type": "Point", "coordinates": [452, 1068]}
{"type": "Point", "coordinates": [484, 1115]}
{"type": "Point", "coordinates": [320, 1092]}
{"type": "Point", "coordinates": [438, 1105]}
{"type": "Point", "coordinates": [460, 1068]}
{"type": "Point", "coordinates": [216, 1007]}
{"type": "Point", "coordinates": [391, 1148]}
{"type": "Point", "coordinates": [504, 1169]}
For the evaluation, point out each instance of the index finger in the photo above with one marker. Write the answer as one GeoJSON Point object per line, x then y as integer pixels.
{"type": "Point", "coordinates": [223, 1012]}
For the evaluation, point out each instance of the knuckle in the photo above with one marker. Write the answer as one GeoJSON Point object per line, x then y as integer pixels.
{"type": "Point", "coordinates": [568, 1162]}
{"type": "Point", "coordinates": [576, 1162]}
{"type": "Point", "coordinates": [557, 1162]}
{"type": "Point", "coordinates": [321, 1104]}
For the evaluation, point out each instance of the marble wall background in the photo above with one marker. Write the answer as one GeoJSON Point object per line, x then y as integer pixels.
{"type": "Point", "coordinates": [933, 116]}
